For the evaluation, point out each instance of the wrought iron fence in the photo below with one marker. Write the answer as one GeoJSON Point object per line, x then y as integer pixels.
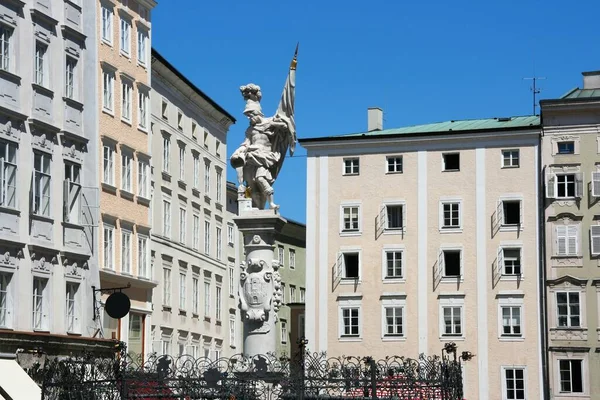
{"type": "Point", "coordinates": [304, 376]}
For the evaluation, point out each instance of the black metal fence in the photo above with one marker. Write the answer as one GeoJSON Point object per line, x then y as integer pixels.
{"type": "Point", "coordinates": [304, 376]}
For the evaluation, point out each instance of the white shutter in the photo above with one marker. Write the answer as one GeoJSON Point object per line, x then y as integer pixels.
{"type": "Point", "coordinates": [520, 212]}
{"type": "Point", "coordinates": [500, 266]}
{"type": "Point", "coordinates": [339, 266]}
{"type": "Point", "coordinates": [10, 301]}
{"type": "Point", "coordinates": [404, 225]}
{"type": "Point", "coordinates": [578, 185]}
{"type": "Point", "coordinates": [78, 298]}
{"type": "Point", "coordinates": [561, 240]}
{"type": "Point", "coordinates": [550, 185]}
{"type": "Point", "coordinates": [500, 213]}
{"type": "Point", "coordinates": [595, 239]}
{"type": "Point", "coordinates": [572, 231]}
{"type": "Point", "coordinates": [32, 204]}
{"type": "Point", "coordinates": [521, 260]}
{"type": "Point", "coordinates": [596, 184]}
{"type": "Point", "coordinates": [66, 203]}
{"type": "Point", "coordinates": [3, 184]}
{"type": "Point", "coordinates": [382, 223]}
{"type": "Point", "coordinates": [46, 306]}
{"type": "Point", "coordinates": [440, 270]}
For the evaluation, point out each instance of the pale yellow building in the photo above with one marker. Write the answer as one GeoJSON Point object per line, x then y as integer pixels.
{"type": "Point", "coordinates": [124, 32]}
{"type": "Point", "coordinates": [424, 235]}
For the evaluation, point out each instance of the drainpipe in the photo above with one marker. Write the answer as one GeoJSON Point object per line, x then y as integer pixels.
{"type": "Point", "coordinates": [542, 263]}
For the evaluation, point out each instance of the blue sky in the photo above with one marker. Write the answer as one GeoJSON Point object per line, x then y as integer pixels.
{"type": "Point", "coordinates": [421, 61]}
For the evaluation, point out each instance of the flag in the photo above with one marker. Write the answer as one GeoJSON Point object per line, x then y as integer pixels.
{"type": "Point", "coordinates": [285, 111]}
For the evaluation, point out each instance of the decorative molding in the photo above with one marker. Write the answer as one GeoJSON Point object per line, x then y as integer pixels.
{"type": "Point", "coordinates": [567, 281]}
{"type": "Point", "coordinates": [568, 334]}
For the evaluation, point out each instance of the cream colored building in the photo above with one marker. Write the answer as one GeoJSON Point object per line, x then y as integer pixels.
{"type": "Point", "coordinates": [424, 235]}
{"type": "Point", "coordinates": [124, 32]}
{"type": "Point", "coordinates": [195, 301]}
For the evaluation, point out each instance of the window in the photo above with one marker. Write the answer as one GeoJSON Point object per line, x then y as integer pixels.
{"type": "Point", "coordinates": [143, 258]}
{"type": "Point", "coordinates": [207, 237]}
{"type": "Point", "coordinates": [570, 376]}
{"type": "Point", "coordinates": [196, 171]}
{"type": "Point", "coordinates": [514, 383]}
{"type": "Point", "coordinates": [143, 179]}
{"type": "Point", "coordinates": [5, 47]}
{"type": "Point", "coordinates": [218, 188]}
{"type": "Point", "coordinates": [567, 240]}
{"type": "Point", "coordinates": [142, 110]}
{"type": "Point", "coordinates": [205, 139]}
{"type": "Point", "coordinates": [179, 120]}
{"type": "Point", "coordinates": [41, 184]}
{"type": "Point", "coordinates": [194, 129]}
{"type": "Point", "coordinates": [141, 46]}
{"type": "Point", "coordinates": [281, 255]}
{"type": "Point", "coordinates": [8, 174]}
{"type": "Point", "coordinates": [40, 304]}
{"type": "Point", "coordinates": [595, 239]}
{"type": "Point", "coordinates": [108, 83]}
{"type": "Point", "coordinates": [451, 161]}
{"type": "Point", "coordinates": [182, 224]}
{"type": "Point", "coordinates": [348, 265]}
{"type": "Point", "coordinates": [166, 286]}
{"type": "Point", "coordinates": [126, 175]}
{"type": "Point", "coordinates": [452, 322]}
{"type": "Point", "coordinates": [70, 64]}
{"type": "Point", "coordinates": [109, 247]}
{"type": "Point", "coordinates": [107, 29]}
{"type": "Point", "coordinates": [231, 281]}
{"type": "Point", "coordinates": [6, 300]}
{"type": "Point", "coordinates": [232, 330]}
{"type": "Point", "coordinates": [126, 90]}
{"type": "Point", "coordinates": [283, 296]}
{"type": "Point", "coordinates": [218, 299]}
{"type": "Point", "coordinates": [510, 158]}
{"type": "Point", "coordinates": [217, 148]}
{"type": "Point", "coordinates": [350, 322]}
{"type": "Point", "coordinates": [451, 215]}
{"type": "Point", "coordinates": [566, 147]}
{"type": "Point", "coordinates": [125, 36]}
{"type": "Point", "coordinates": [510, 212]}
{"type": "Point", "coordinates": [182, 163]}
{"type": "Point", "coordinates": [393, 321]}
{"type": "Point", "coordinates": [195, 295]}
{"type": "Point", "coordinates": [230, 234]}
{"type": "Point", "coordinates": [108, 167]}
{"type": "Point", "coordinates": [511, 321]}
{"type": "Point", "coordinates": [351, 166]}
{"type": "Point", "coordinates": [207, 299]}
{"type": "Point", "coordinates": [395, 217]}
{"type": "Point", "coordinates": [394, 164]}
{"type": "Point", "coordinates": [302, 295]}
{"type": "Point", "coordinates": [41, 74]}
{"type": "Point", "coordinates": [165, 109]}
{"type": "Point", "coordinates": [509, 260]}
{"type": "Point", "coordinates": [72, 307]}
{"type": "Point", "coordinates": [182, 291]}
{"type": "Point", "coordinates": [166, 154]}
{"type": "Point", "coordinates": [350, 215]}
{"type": "Point", "coordinates": [568, 310]}
{"type": "Point", "coordinates": [284, 332]}
{"type": "Point", "coordinates": [292, 255]}
{"type": "Point", "coordinates": [292, 294]}
{"type": "Point", "coordinates": [166, 218]}
{"type": "Point", "coordinates": [196, 232]}
{"type": "Point", "coordinates": [125, 251]}
{"type": "Point", "coordinates": [450, 263]}
{"type": "Point", "coordinates": [393, 264]}
{"type": "Point", "coordinates": [207, 179]}
{"type": "Point", "coordinates": [565, 185]}
{"type": "Point", "coordinates": [219, 243]}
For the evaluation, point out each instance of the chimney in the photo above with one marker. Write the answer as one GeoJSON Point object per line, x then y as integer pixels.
{"type": "Point", "coordinates": [591, 80]}
{"type": "Point", "coordinates": [374, 119]}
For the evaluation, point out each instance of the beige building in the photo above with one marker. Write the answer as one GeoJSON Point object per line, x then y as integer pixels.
{"type": "Point", "coordinates": [194, 305]}
{"type": "Point", "coordinates": [571, 160]}
{"type": "Point", "coordinates": [424, 235]}
{"type": "Point", "coordinates": [124, 32]}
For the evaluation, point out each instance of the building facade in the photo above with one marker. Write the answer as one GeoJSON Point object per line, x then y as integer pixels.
{"type": "Point", "coordinates": [425, 235]}
{"type": "Point", "coordinates": [190, 238]}
{"type": "Point", "coordinates": [49, 143]}
{"type": "Point", "coordinates": [123, 87]}
{"type": "Point", "coordinates": [571, 161]}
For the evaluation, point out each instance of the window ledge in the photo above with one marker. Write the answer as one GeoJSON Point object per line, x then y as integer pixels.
{"type": "Point", "coordinates": [350, 233]}
{"type": "Point", "coordinates": [166, 176]}
{"type": "Point", "coordinates": [72, 225]}
{"type": "Point", "coordinates": [166, 308]}
{"type": "Point", "coordinates": [451, 230]}
{"type": "Point", "coordinates": [42, 89]}
{"type": "Point", "coordinates": [511, 228]}
{"type": "Point", "coordinates": [9, 75]}
{"type": "Point", "coordinates": [207, 319]}
{"type": "Point", "coordinates": [351, 174]}
{"type": "Point", "coordinates": [126, 194]}
{"type": "Point", "coordinates": [125, 54]}
{"type": "Point", "coordinates": [350, 281]}
{"type": "Point", "coordinates": [182, 184]}
{"type": "Point", "coordinates": [109, 188]}
{"type": "Point", "coordinates": [511, 278]}
{"type": "Point", "coordinates": [394, 280]}
{"type": "Point", "coordinates": [451, 170]}
{"type": "Point", "coordinates": [42, 330]}
{"type": "Point", "coordinates": [196, 192]}
{"type": "Point", "coordinates": [452, 338]}
{"type": "Point", "coordinates": [42, 218]}
{"type": "Point", "coordinates": [452, 279]}
{"type": "Point", "coordinates": [126, 121]}
{"type": "Point", "coordinates": [142, 129]}
{"type": "Point", "coordinates": [218, 323]}
{"type": "Point", "coordinates": [392, 231]}
{"type": "Point", "coordinates": [394, 173]}
{"type": "Point", "coordinates": [106, 42]}
{"type": "Point", "coordinates": [143, 200]}
{"type": "Point", "coordinates": [73, 333]}
{"type": "Point", "coordinates": [182, 312]}
{"type": "Point", "coordinates": [9, 210]}
{"type": "Point", "coordinates": [350, 339]}
{"type": "Point", "coordinates": [394, 338]}
{"type": "Point", "coordinates": [108, 112]}
{"type": "Point", "coordinates": [207, 198]}
{"type": "Point", "coordinates": [511, 338]}
{"type": "Point", "coordinates": [510, 166]}
{"type": "Point", "coordinates": [73, 103]}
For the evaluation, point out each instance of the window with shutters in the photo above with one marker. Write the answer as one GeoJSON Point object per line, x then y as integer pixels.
{"type": "Point", "coordinates": [72, 307]}
{"type": "Point", "coordinates": [561, 185]}
{"type": "Point", "coordinates": [570, 376]}
{"type": "Point", "coordinates": [41, 184]}
{"type": "Point", "coordinates": [350, 222]}
{"type": "Point", "coordinates": [348, 265]}
{"type": "Point", "coordinates": [6, 300]}
{"type": "Point", "coordinates": [595, 240]}
{"type": "Point", "coordinates": [595, 183]}
{"type": "Point", "coordinates": [568, 309]}
{"type": "Point", "coordinates": [511, 212]}
{"type": "Point", "coordinates": [567, 240]}
{"type": "Point", "coordinates": [351, 166]}
{"type": "Point", "coordinates": [509, 260]}
{"type": "Point", "coordinates": [514, 383]}
{"type": "Point", "coordinates": [395, 217]}
{"type": "Point", "coordinates": [450, 263]}
{"type": "Point", "coordinates": [8, 174]}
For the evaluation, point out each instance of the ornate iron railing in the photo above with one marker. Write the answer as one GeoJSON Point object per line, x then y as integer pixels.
{"type": "Point", "coordinates": [305, 376]}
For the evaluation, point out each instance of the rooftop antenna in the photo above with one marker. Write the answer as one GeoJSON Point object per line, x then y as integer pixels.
{"type": "Point", "coordinates": [535, 90]}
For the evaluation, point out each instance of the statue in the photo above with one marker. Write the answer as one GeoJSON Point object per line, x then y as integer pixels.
{"type": "Point", "coordinates": [259, 158]}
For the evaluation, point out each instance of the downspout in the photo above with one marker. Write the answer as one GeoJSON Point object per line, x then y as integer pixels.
{"type": "Point", "coordinates": [542, 263]}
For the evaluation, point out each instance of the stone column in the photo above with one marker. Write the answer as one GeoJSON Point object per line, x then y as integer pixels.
{"type": "Point", "coordinates": [260, 291]}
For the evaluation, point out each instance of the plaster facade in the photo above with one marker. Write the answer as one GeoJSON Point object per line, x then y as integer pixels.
{"type": "Point", "coordinates": [49, 175]}
{"type": "Point", "coordinates": [194, 306]}
{"type": "Point", "coordinates": [570, 155]}
{"type": "Point", "coordinates": [416, 240]}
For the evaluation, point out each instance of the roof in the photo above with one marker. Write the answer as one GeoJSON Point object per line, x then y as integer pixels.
{"type": "Point", "coordinates": [161, 59]}
{"type": "Point", "coordinates": [447, 127]}
{"type": "Point", "coordinates": [581, 93]}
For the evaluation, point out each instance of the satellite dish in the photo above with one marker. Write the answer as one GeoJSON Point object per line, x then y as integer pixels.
{"type": "Point", "coordinates": [117, 305]}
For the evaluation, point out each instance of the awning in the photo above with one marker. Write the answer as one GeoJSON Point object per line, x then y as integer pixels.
{"type": "Point", "coordinates": [15, 384]}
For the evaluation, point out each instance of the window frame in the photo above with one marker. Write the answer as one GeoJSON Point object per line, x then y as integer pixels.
{"type": "Point", "coordinates": [6, 47]}
{"type": "Point", "coordinates": [143, 262]}
{"type": "Point", "coordinates": [76, 308]}
{"type": "Point", "coordinates": [41, 65]}
{"type": "Point", "coordinates": [516, 301]}
{"type": "Point", "coordinates": [450, 229]}
{"type": "Point", "coordinates": [142, 47]}
{"type": "Point", "coordinates": [584, 369]}
{"type": "Point", "coordinates": [292, 258]}
{"type": "Point", "coordinates": [351, 165]}
{"type": "Point", "coordinates": [125, 36]}
{"type": "Point", "coordinates": [7, 148]}
{"type": "Point", "coordinates": [71, 87]}
{"type": "Point", "coordinates": [454, 300]}
{"type": "Point", "coordinates": [108, 91]}
{"type": "Point", "coordinates": [570, 149]}
{"type": "Point", "coordinates": [341, 269]}
{"type": "Point", "coordinates": [182, 225]}
{"type": "Point", "coordinates": [143, 179]}
{"type": "Point", "coordinates": [351, 232]}
{"type": "Point", "coordinates": [569, 315]}
{"type": "Point", "coordinates": [511, 158]}
{"type": "Point", "coordinates": [505, 368]}
{"type": "Point", "coordinates": [395, 164]}
{"type": "Point", "coordinates": [39, 176]}
{"type": "Point", "coordinates": [166, 164]}
{"type": "Point", "coordinates": [106, 227]}
{"type": "Point", "coordinates": [126, 233]}
{"type": "Point", "coordinates": [143, 110]}
{"type": "Point", "coordinates": [207, 237]}
{"type": "Point", "coordinates": [46, 306]}
{"type": "Point", "coordinates": [450, 153]}
{"type": "Point", "coordinates": [167, 286]}
{"type": "Point", "coordinates": [182, 291]}
{"type": "Point", "coordinates": [393, 302]}
{"type": "Point", "coordinates": [167, 216]}
{"type": "Point", "coordinates": [452, 278]}
{"type": "Point", "coordinates": [8, 277]}
{"type": "Point", "coordinates": [283, 331]}
{"type": "Point", "coordinates": [126, 171]}
{"type": "Point", "coordinates": [126, 100]}
{"type": "Point", "coordinates": [107, 30]}
{"type": "Point", "coordinates": [384, 263]}
{"type": "Point", "coordinates": [500, 214]}
{"type": "Point", "coordinates": [349, 304]}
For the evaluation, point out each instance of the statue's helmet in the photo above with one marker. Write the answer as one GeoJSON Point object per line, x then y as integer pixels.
{"type": "Point", "coordinates": [252, 107]}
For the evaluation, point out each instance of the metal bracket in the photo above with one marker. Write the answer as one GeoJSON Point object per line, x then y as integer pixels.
{"type": "Point", "coordinates": [105, 290]}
